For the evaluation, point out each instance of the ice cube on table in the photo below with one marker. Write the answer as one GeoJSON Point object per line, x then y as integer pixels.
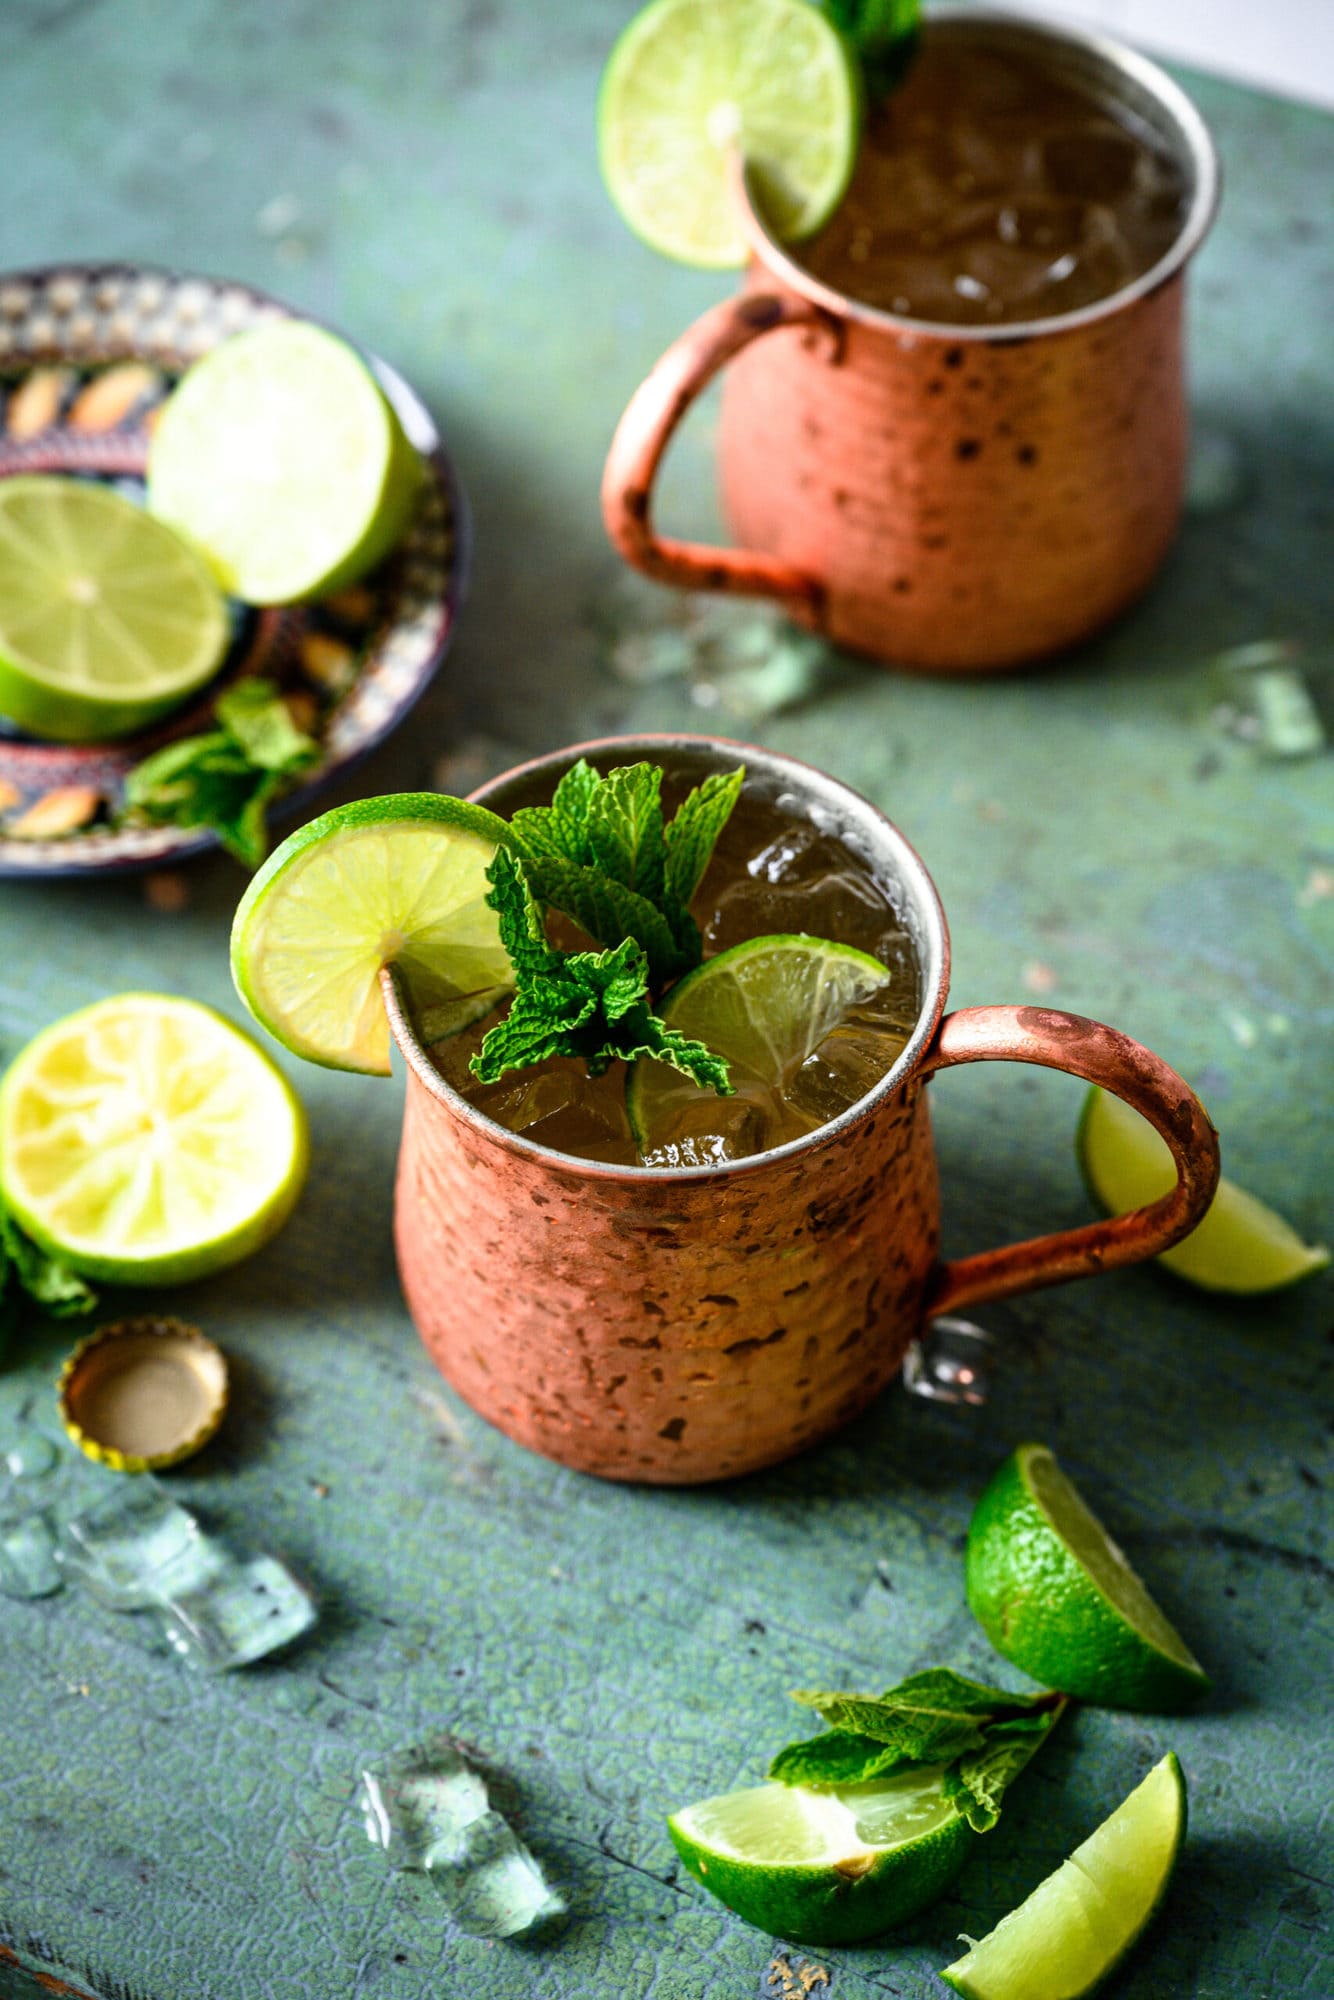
{"type": "Point", "coordinates": [237, 1609]}
{"type": "Point", "coordinates": [417, 1802]}
{"type": "Point", "coordinates": [28, 1566]}
{"type": "Point", "coordinates": [428, 1809]}
{"type": "Point", "coordinates": [128, 1551]}
{"type": "Point", "coordinates": [950, 1362]}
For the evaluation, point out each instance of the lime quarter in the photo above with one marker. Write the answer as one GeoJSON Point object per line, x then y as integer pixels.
{"type": "Point", "coordinates": [107, 618]}
{"type": "Point", "coordinates": [1078, 1925]}
{"type": "Point", "coordinates": [145, 1140]}
{"type": "Point", "coordinates": [1240, 1246]}
{"type": "Point", "coordinates": [279, 455]}
{"type": "Point", "coordinates": [398, 880]}
{"type": "Point", "coordinates": [826, 1867]}
{"type": "Point", "coordinates": [1054, 1593]}
{"type": "Point", "coordinates": [689, 82]}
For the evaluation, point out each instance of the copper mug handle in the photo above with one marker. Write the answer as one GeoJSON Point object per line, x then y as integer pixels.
{"type": "Point", "coordinates": [1103, 1056]}
{"type": "Point", "coordinates": [643, 434]}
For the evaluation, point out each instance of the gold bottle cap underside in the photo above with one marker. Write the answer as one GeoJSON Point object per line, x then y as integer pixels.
{"type": "Point", "coordinates": [143, 1393]}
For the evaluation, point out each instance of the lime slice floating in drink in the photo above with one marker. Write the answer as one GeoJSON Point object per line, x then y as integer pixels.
{"type": "Point", "coordinates": [764, 1006]}
{"type": "Point", "coordinates": [279, 455]}
{"type": "Point", "coordinates": [826, 1867]}
{"type": "Point", "coordinates": [1079, 1924]}
{"type": "Point", "coordinates": [107, 618]}
{"type": "Point", "coordinates": [398, 880]}
{"type": "Point", "coordinates": [1241, 1246]}
{"type": "Point", "coordinates": [145, 1140]}
{"type": "Point", "coordinates": [688, 82]}
{"type": "Point", "coordinates": [1054, 1593]}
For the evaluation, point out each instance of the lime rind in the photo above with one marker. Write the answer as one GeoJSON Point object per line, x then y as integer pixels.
{"type": "Point", "coordinates": [687, 81]}
{"type": "Point", "coordinates": [1055, 1595]}
{"type": "Point", "coordinates": [108, 619]}
{"type": "Point", "coordinates": [148, 1140]}
{"type": "Point", "coordinates": [279, 455]}
{"type": "Point", "coordinates": [1079, 1924]}
{"type": "Point", "coordinates": [396, 880]}
{"type": "Point", "coordinates": [1241, 1247]}
{"type": "Point", "coordinates": [826, 1868]}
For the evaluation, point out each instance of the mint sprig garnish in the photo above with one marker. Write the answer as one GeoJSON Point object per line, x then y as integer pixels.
{"type": "Point", "coordinates": [226, 778]}
{"type": "Point", "coordinates": [603, 855]}
{"type": "Point", "coordinates": [984, 1735]}
{"type": "Point", "coordinates": [590, 1005]}
{"type": "Point", "coordinates": [882, 33]}
{"type": "Point", "coordinates": [26, 1270]}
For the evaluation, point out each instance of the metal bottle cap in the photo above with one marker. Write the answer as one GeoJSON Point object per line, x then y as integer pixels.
{"type": "Point", "coordinates": [143, 1393]}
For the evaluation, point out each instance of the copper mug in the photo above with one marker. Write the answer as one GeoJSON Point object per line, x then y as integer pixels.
{"type": "Point", "coordinates": [942, 497]}
{"type": "Point", "coordinates": [691, 1324]}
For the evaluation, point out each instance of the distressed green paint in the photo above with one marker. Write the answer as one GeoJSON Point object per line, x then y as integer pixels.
{"type": "Point", "coordinates": [618, 1652]}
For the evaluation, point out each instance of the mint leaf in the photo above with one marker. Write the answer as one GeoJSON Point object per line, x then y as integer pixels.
{"type": "Point", "coordinates": [26, 1269]}
{"type": "Point", "coordinates": [935, 1717]}
{"type": "Point", "coordinates": [883, 35]}
{"type": "Point", "coordinates": [226, 778]}
{"type": "Point", "coordinates": [981, 1776]}
{"type": "Point", "coordinates": [623, 828]}
{"type": "Point", "coordinates": [607, 911]}
{"type": "Point", "coordinates": [559, 830]}
{"type": "Point", "coordinates": [693, 833]}
{"type": "Point", "coordinates": [589, 1005]}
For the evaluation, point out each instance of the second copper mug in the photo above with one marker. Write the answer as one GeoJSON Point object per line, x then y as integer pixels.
{"type": "Point", "coordinates": [942, 497]}
{"type": "Point", "coordinates": [690, 1324]}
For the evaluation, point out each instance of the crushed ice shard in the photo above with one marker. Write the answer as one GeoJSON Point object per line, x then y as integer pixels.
{"type": "Point", "coordinates": [427, 1809]}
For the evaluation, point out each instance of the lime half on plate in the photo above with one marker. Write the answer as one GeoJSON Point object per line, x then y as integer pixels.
{"type": "Point", "coordinates": [691, 81]}
{"type": "Point", "coordinates": [281, 458]}
{"type": "Point", "coordinates": [398, 881]}
{"type": "Point", "coordinates": [107, 618]}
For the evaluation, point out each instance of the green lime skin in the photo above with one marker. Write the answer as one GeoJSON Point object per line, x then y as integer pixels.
{"type": "Point", "coordinates": [1040, 1607]}
{"type": "Point", "coordinates": [823, 1906]}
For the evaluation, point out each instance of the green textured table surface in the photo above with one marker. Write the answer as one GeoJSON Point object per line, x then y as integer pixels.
{"type": "Point", "coordinates": [424, 176]}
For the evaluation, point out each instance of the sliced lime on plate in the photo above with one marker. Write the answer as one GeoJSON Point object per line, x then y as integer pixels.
{"type": "Point", "coordinates": [398, 880]}
{"type": "Point", "coordinates": [1241, 1246]}
{"type": "Point", "coordinates": [688, 82]}
{"type": "Point", "coordinates": [1078, 1925]}
{"type": "Point", "coordinates": [145, 1140]}
{"type": "Point", "coordinates": [1054, 1593]}
{"type": "Point", "coordinates": [826, 1867]}
{"type": "Point", "coordinates": [107, 618]}
{"type": "Point", "coordinates": [281, 458]}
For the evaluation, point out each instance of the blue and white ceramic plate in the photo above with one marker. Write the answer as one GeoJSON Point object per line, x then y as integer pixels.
{"type": "Point", "coordinates": [87, 352]}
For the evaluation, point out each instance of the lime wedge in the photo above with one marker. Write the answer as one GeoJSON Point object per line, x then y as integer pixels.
{"type": "Point", "coordinates": [688, 82]}
{"type": "Point", "coordinates": [107, 619]}
{"type": "Point", "coordinates": [146, 1141]}
{"type": "Point", "coordinates": [826, 1867]}
{"type": "Point", "coordinates": [280, 457]}
{"type": "Point", "coordinates": [1079, 1924]}
{"type": "Point", "coordinates": [765, 1006]}
{"type": "Point", "coordinates": [1241, 1246]}
{"type": "Point", "coordinates": [1054, 1593]}
{"type": "Point", "coordinates": [398, 880]}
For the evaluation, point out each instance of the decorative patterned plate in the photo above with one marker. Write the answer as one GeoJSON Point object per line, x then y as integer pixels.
{"type": "Point", "coordinates": [87, 352]}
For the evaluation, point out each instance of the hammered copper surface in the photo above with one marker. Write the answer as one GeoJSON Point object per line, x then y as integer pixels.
{"type": "Point", "coordinates": [667, 1330]}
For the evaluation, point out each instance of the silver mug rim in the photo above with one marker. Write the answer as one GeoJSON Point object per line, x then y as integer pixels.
{"type": "Point", "coordinates": [889, 846]}
{"type": "Point", "coordinates": [1194, 144]}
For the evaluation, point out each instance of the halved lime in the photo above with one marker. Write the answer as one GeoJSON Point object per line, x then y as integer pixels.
{"type": "Point", "coordinates": [826, 1867]}
{"type": "Point", "coordinates": [765, 1006]}
{"type": "Point", "coordinates": [145, 1140]}
{"type": "Point", "coordinates": [1241, 1246]}
{"type": "Point", "coordinates": [689, 81]}
{"type": "Point", "coordinates": [1054, 1593]}
{"type": "Point", "coordinates": [398, 880]}
{"type": "Point", "coordinates": [107, 618]}
{"type": "Point", "coordinates": [279, 455]}
{"type": "Point", "coordinates": [1079, 1924]}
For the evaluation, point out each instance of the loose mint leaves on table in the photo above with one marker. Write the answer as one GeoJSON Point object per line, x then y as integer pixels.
{"type": "Point", "coordinates": [984, 1734]}
{"type": "Point", "coordinates": [590, 1005]}
{"type": "Point", "coordinates": [27, 1272]}
{"type": "Point", "coordinates": [226, 778]}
